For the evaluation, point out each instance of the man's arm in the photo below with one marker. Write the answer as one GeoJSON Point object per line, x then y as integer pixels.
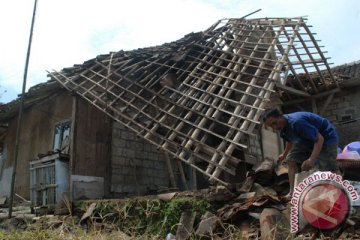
{"type": "Point", "coordinates": [310, 162]}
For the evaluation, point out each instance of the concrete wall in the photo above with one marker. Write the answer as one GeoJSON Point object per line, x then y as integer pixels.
{"type": "Point", "coordinates": [136, 167]}
{"type": "Point", "coordinates": [5, 181]}
{"type": "Point", "coordinates": [344, 109]}
{"type": "Point", "coordinates": [255, 154]}
{"type": "Point", "coordinates": [344, 113]}
{"type": "Point", "coordinates": [85, 187]}
{"type": "Point", "coordinates": [5, 174]}
{"type": "Point", "coordinates": [272, 144]}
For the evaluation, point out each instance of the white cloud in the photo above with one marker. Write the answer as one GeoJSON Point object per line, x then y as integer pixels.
{"type": "Point", "coordinates": [69, 32]}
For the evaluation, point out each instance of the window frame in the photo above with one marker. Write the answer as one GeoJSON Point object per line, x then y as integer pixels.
{"type": "Point", "coordinates": [61, 123]}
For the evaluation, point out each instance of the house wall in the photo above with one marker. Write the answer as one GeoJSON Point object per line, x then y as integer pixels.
{"type": "Point", "coordinates": [343, 106]}
{"type": "Point", "coordinates": [37, 131]}
{"type": "Point", "coordinates": [91, 152]}
{"type": "Point", "coordinates": [137, 167]}
{"type": "Point", "coordinates": [272, 144]}
{"type": "Point", "coordinates": [5, 174]}
{"type": "Point", "coordinates": [344, 109]}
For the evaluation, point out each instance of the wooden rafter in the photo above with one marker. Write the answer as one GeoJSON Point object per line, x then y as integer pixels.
{"type": "Point", "coordinates": [199, 98]}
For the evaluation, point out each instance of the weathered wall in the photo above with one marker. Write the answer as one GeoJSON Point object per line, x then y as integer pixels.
{"type": "Point", "coordinates": [36, 137]}
{"type": "Point", "coordinates": [344, 109]}
{"type": "Point", "coordinates": [137, 167]}
{"type": "Point", "coordinates": [5, 174]}
{"type": "Point", "coordinates": [254, 154]}
{"type": "Point", "coordinates": [272, 144]}
{"type": "Point", "coordinates": [91, 152]}
{"type": "Point", "coordinates": [5, 181]}
{"type": "Point", "coordinates": [344, 113]}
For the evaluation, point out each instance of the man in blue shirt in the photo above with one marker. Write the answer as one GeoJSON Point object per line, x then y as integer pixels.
{"type": "Point", "coordinates": [311, 141]}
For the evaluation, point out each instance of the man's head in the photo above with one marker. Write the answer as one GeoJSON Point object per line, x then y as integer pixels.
{"type": "Point", "coordinates": [274, 119]}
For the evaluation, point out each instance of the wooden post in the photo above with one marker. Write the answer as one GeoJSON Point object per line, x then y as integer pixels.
{"type": "Point", "coordinates": [19, 122]}
{"type": "Point", "coordinates": [170, 170]}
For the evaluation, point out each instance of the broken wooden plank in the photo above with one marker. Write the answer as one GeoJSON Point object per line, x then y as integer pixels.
{"type": "Point", "coordinates": [88, 212]}
{"type": "Point", "coordinates": [186, 224]}
{"type": "Point", "coordinates": [207, 226]}
{"type": "Point", "coordinates": [292, 90]}
{"type": "Point", "coordinates": [273, 225]}
{"type": "Point", "coordinates": [2, 201]}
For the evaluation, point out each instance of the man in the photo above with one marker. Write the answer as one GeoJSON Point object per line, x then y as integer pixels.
{"type": "Point", "coordinates": [311, 141]}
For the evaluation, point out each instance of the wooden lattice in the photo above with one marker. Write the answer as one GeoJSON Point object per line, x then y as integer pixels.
{"type": "Point", "coordinates": [199, 98]}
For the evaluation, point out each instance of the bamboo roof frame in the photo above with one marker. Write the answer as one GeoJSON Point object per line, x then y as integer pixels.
{"type": "Point", "coordinates": [214, 84]}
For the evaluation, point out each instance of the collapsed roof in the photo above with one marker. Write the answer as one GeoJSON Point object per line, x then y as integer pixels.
{"type": "Point", "coordinates": [199, 98]}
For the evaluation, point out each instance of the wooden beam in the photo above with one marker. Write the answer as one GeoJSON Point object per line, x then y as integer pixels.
{"type": "Point", "coordinates": [319, 95]}
{"type": "Point", "coordinates": [170, 170]}
{"type": "Point", "coordinates": [353, 82]}
{"type": "Point", "coordinates": [74, 113]}
{"type": "Point", "coordinates": [292, 90]}
{"type": "Point", "coordinates": [326, 104]}
{"type": "Point", "coordinates": [313, 105]}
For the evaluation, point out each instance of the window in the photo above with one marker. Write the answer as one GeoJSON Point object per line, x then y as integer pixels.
{"type": "Point", "coordinates": [61, 135]}
{"type": "Point", "coordinates": [346, 119]}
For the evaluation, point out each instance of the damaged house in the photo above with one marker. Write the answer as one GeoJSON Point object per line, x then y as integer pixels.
{"type": "Point", "coordinates": [181, 115]}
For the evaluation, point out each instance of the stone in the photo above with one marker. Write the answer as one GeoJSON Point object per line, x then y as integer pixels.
{"type": "Point", "coordinates": [186, 225]}
{"type": "Point", "coordinates": [273, 224]}
{"type": "Point", "coordinates": [207, 226]}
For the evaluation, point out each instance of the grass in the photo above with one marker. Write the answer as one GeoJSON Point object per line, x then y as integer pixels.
{"type": "Point", "coordinates": [133, 219]}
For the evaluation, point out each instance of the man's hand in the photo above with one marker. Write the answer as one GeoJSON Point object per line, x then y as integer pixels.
{"type": "Point", "coordinates": [288, 147]}
{"type": "Point", "coordinates": [310, 163]}
{"type": "Point", "coordinates": [282, 157]}
{"type": "Point", "coordinates": [307, 165]}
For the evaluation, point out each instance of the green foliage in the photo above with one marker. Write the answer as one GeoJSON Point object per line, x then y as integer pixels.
{"type": "Point", "coordinates": [103, 211]}
{"type": "Point", "coordinates": [149, 216]}
{"type": "Point", "coordinates": [142, 217]}
{"type": "Point", "coordinates": [174, 209]}
{"type": "Point", "coordinates": [138, 218]}
{"type": "Point", "coordinates": [33, 234]}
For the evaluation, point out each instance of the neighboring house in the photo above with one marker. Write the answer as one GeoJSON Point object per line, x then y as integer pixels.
{"type": "Point", "coordinates": [183, 114]}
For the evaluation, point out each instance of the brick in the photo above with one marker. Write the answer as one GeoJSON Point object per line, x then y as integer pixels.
{"type": "Point", "coordinates": [141, 155]}
{"type": "Point", "coordinates": [332, 118]}
{"type": "Point", "coordinates": [117, 178]}
{"type": "Point", "coordinates": [153, 156]}
{"type": "Point", "coordinates": [137, 162]}
{"type": "Point", "coordinates": [129, 153]}
{"type": "Point", "coordinates": [149, 163]}
{"type": "Point", "coordinates": [116, 151]}
{"type": "Point", "coordinates": [138, 146]}
{"type": "Point", "coordinates": [152, 172]}
{"type": "Point", "coordinates": [130, 179]}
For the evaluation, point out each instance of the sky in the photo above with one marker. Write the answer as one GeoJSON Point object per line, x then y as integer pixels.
{"type": "Point", "coordinates": [69, 32]}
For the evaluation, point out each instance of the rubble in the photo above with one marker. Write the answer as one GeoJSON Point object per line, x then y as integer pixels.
{"type": "Point", "coordinates": [208, 224]}
{"type": "Point", "coordinates": [2, 201]}
{"type": "Point", "coordinates": [256, 211]}
{"type": "Point", "coordinates": [186, 224]}
{"type": "Point", "coordinates": [273, 224]}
